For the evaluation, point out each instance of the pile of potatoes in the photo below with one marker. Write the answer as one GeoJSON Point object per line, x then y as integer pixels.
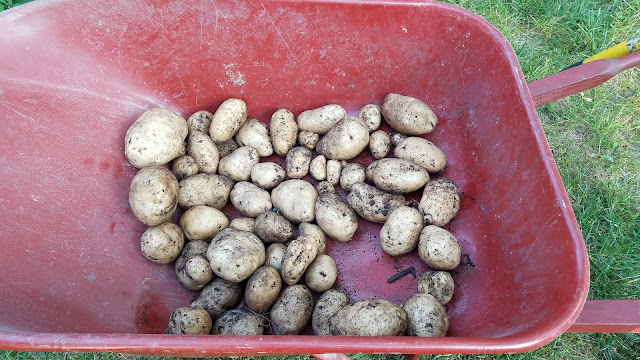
{"type": "Point", "coordinates": [261, 270]}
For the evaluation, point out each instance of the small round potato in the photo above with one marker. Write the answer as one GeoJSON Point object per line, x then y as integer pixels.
{"type": "Point", "coordinates": [295, 200]}
{"type": "Point", "coordinates": [321, 274]}
{"type": "Point", "coordinates": [275, 253]}
{"type": "Point", "coordinates": [189, 320]}
{"type": "Point", "coordinates": [272, 228]}
{"type": "Point", "coordinates": [308, 139]}
{"type": "Point", "coordinates": [284, 131]}
{"type": "Point", "coordinates": [200, 121]}
{"type": "Point", "coordinates": [399, 176]}
{"type": "Point", "coordinates": [400, 234]}
{"type": "Point", "coordinates": [192, 267]}
{"type": "Point", "coordinates": [155, 138]}
{"type": "Point", "coordinates": [351, 173]}
{"type": "Point", "coordinates": [204, 151]}
{"type": "Point", "coordinates": [244, 223]}
{"type": "Point", "coordinates": [249, 199]}
{"type": "Point", "coordinates": [438, 248]}
{"type": "Point", "coordinates": [421, 152]}
{"type": "Point", "coordinates": [372, 203]}
{"type": "Point", "coordinates": [219, 296]}
{"type": "Point", "coordinates": [322, 119]}
{"type": "Point", "coordinates": [371, 116]}
{"type": "Point", "coordinates": [334, 217]}
{"type": "Point", "coordinates": [316, 232]}
{"type": "Point", "coordinates": [225, 148]}
{"type": "Point", "coordinates": [226, 121]}
{"type": "Point", "coordinates": [369, 317]}
{"type": "Point", "coordinates": [162, 244]}
{"type": "Point", "coordinates": [202, 222]}
{"type": "Point", "coordinates": [267, 175]}
{"type": "Point", "coordinates": [427, 317]}
{"type": "Point", "coordinates": [439, 284]}
{"type": "Point", "coordinates": [440, 201]}
{"type": "Point", "coordinates": [262, 289]}
{"type": "Point", "coordinates": [255, 133]}
{"type": "Point", "coordinates": [408, 115]}
{"type": "Point", "coordinates": [370, 170]}
{"type": "Point", "coordinates": [292, 310]}
{"type": "Point", "coordinates": [299, 255]}
{"type": "Point", "coordinates": [328, 304]}
{"type": "Point", "coordinates": [334, 169]}
{"type": "Point", "coordinates": [379, 144]}
{"type": "Point", "coordinates": [318, 168]}
{"type": "Point", "coordinates": [345, 140]}
{"type": "Point", "coordinates": [397, 138]}
{"type": "Point", "coordinates": [238, 164]}
{"type": "Point", "coordinates": [184, 166]}
{"type": "Point", "coordinates": [298, 161]}
{"type": "Point", "coordinates": [204, 189]}
{"type": "Point", "coordinates": [235, 254]}
{"type": "Point", "coordinates": [238, 322]}
{"type": "Point", "coordinates": [153, 195]}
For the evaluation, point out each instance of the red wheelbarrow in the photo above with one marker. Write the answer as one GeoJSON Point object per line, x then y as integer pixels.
{"type": "Point", "coordinates": [75, 74]}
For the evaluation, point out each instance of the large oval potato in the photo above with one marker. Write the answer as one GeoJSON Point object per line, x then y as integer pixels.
{"type": "Point", "coordinates": [379, 144]}
{"type": "Point", "coordinates": [284, 131]}
{"type": "Point", "coordinates": [292, 311]}
{"type": "Point", "coordinates": [427, 316]}
{"type": "Point", "coordinates": [235, 254]}
{"type": "Point", "coordinates": [298, 161]}
{"type": "Point", "coordinates": [400, 233]}
{"type": "Point", "coordinates": [372, 203]}
{"type": "Point", "coordinates": [369, 317]}
{"type": "Point", "coordinates": [299, 255]}
{"type": "Point", "coordinates": [408, 115]}
{"type": "Point", "coordinates": [202, 222]}
{"type": "Point", "coordinates": [272, 227]}
{"type": "Point", "coordinates": [249, 199]}
{"type": "Point", "coordinates": [334, 217]}
{"type": "Point", "coordinates": [239, 163]}
{"type": "Point", "coordinates": [189, 320]}
{"type": "Point", "coordinates": [226, 121]}
{"type": "Point", "coordinates": [440, 201]}
{"type": "Point", "coordinates": [155, 138]}
{"type": "Point", "coordinates": [322, 119]}
{"type": "Point", "coordinates": [345, 140]}
{"type": "Point", "coordinates": [219, 296]}
{"type": "Point", "coordinates": [163, 243]}
{"type": "Point", "coordinates": [321, 274]}
{"type": "Point", "coordinates": [438, 248]}
{"type": "Point", "coordinates": [204, 189]}
{"type": "Point", "coordinates": [371, 116]}
{"type": "Point", "coordinates": [421, 152]}
{"type": "Point", "coordinates": [399, 176]}
{"type": "Point", "coordinates": [439, 284]}
{"type": "Point", "coordinates": [200, 121]}
{"type": "Point", "coordinates": [238, 322]}
{"type": "Point", "coordinates": [255, 133]}
{"type": "Point", "coordinates": [262, 289]}
{"type": "Point", "coordinates": [295, 200]}
{"type": "Point", "coordinates": [153, 195]}
{"type": "Point", "coordinates": [328, 304]}
{"type": "Point", "coordinates": [204, 151]}
{"type": "Point", "coordinates": [267, 175]}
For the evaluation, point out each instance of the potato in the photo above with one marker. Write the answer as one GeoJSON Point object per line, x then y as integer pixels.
{"type": "Point", "coordinates": [427, 317]}
{"type": "Point", "coordinates": [440, 201]}
{"type": "Point", "coordinates": [162, 244]}
{"type": "Point", "coordinates": [397, 138]}
{"type": "Point", "coordinates": [379, 144]}
{"type": "Point", "coordinates": [225, 148]}
{"type": "Point", "coordinates": [226, 121]}
{"type": "Point", "coordinates": [295, 200]}
{"type": "Point", "coordinates": [308, 139]}
{"type": "Point", "coordinates": [321, 274]}
{"type": "Point", "coordinates": [321, 120]}
{"type": "Point", "coordinates": [345, 140]}
{"type": "Point", "coordinates": [369, 317]}
{"type": "Point", "coordinates": [292, 310]}
{"type": "Point", "coordinates": [334, 217]}
{"type": "Point", "coordinates": [244, 223]}
{"type": "Point", "coordinates": [219, 296]}
{"type": "Point", "coordinates": [202, 222]}
{"type": "Point", "coordinates": [262, 289]}
{"type": "Point", "coordinates": [204, 151]}
{"type": "Point", "coordinates": [184, 166]}
{"type": "Point", "coordinates": [192, 267]}
{"type": "Point", "coordinates": [439, 284]}
{"type": "Point", "coordinates": [400, 234]}
{"type": "Point", "coordinates": [188, 320]}
{"type": "Point", "coordinates": [238, 164]}
{"type": "Point", "coordinates": [438, 248]}
{"type": "Point", "coordinates": [298, 161]}
{"type": "Point", "coordinates": [238, 322]}
{"type": "Point", "coordinates": [275, 253]}
{"type": "Point", "coordinates": [155, 138]}
{"type": "Point", "coordinates": [408, 115]}
{"type": "Point", "coordinates": [235, 254]}
{"type": "Point", "coordinates": [328, 304]}
{"type": "Point", "coordinates": [334, 169]}
{"type": "Point", "coordinates": [399, 176]}
{"type": "Point", "coordinates": [153, 195]}
{"type": "Point", "coordinates": [267, 175]}
{"type": "Point", "coordinates": [352, 173]}
{"type": "Point", "coordinates": [284, 131]}
{"type": "Point", "coordinates": [200, 121]}
{"type": "Point", "coordinates": [183, 150]}
{"type": "Point", "coordinates": [371, 116]}
{"type": "Point", "coordinates": [314, 231]}
{"type": "Point", "coordinates": [204, 189]}
{"type": "Point", "coordinates": [249, 199]}
{"type": "Point", "coordinates": [369, 171]}
{"type": "Point", "coordinates": [192, 248]}
{"type": "Point", "coordinates": [318, 168]}
{"type": "Point", "coordinates": [299, 255]}
{"type": "Point", "coordinates": [373, 204]}
{"type": "Point", "coordinates": [272, 227]}
{"type": "Point", "coordinates": [421, 152]}
{"type": "Point", "coordinates": [255, 133]}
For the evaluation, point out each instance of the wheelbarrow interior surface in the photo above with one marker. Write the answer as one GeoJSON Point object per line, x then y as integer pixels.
{"type": "Point", "coordinates": [75, 74]}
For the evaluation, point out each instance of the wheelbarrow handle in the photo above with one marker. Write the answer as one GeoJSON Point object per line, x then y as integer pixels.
{"type": "Point", "coordinates": [579, 78]}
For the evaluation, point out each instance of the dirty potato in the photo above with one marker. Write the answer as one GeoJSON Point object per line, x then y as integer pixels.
{"type": "Point", "coordinates": [316, 233]}
{"type": "Point", "coordinates": [351, 173]}
{"type": "Point", "coordinates": [345, 140]}
{"type": "Point", "coordinates": [204, 151]}
{"type": "Point", "coordinates": [272, 227]}
{"type": "Point", "coordinates": [275, 253]}
{"type": "Point", "coordinates": [438, 248]}
{"type": "Point", "coordinates": [200, 121]}
{"type": "Point", "coordinates": [397, 138]}
{"type": "Point", "coordinates": [322, 119]}
{"type": "Point", "coordinates": [225, 148]}
{"type": "Point", "coordinates": [204, 189]}
{"type": "Point", "coordinates": [321, 274]}
{"type": "Point", "coordinates": [299, 255]}
{"type": "Point", "coordinates": [255, 133]}
{"type": "Point", "coordinates": [295, 200]}
{"type": "Point", "coordinates": [226, 121]}
{"type": "Point", "coordinates": [408, 115]}
{"type": "Point", "coordinates": [284, 131]}
{"type": "Point", "coordinates": [235, 254]}
{"type": "Point", "coordinates": [202, 222]}
{"type": "Point", "coordinates": [328, 304]}
{"type": "Point", "coordinates": [244, 223]}
{"type": "Point", "coordinates": [379, 144]}
{"type": "Point", "coordinates": [249, 199]}
{"type": "Point", "coordinates": [238, 322]}
{"type": "Point", "coordinates": [369, 317]}
{"type": "Point", "coordinates": [334, 217]}
{"type": "Point", "coordinates": [292, 310]}
{"type": "Point", "coordinates": [372, 203]}
{"type": "Point", "coordinates": [189, 320]}
{"type": "Point", "coordinates": [238, 164]}
{"type": "Point", "coordinates": [192, 267]}
{"type": "Point", "coordinates": [439, 284]}
{"type": "Point", "coordinates": [333, 171]}
{"type": "Point", "coordinates": [427, 317]}
{"type": "Point", "coordinates": [308, 139]}
{"type": "Point", "coordinates": [318, 168]}
{"type": "Point", "coordinates": [262, 289]}
{"type": "Point", "coordinates": [163, 243]}
{"type": "Point", "coordinates": [219, 296]}
{"type": "Point", "coordinates": [399, 176]}
{"type": "Point", "coordinates": [400, 234]}
{"type": "Point", "coordinates": [184, 166]}
{"type": "Point", "coordinates": [440, 201]}
{"type": "Point", "coordinates": [371, 116]}
{"type": "Point", "coordinates": [298, 161]}
{"type": "Point", "coordinates": [421, 152]}
{"type": "Point", "coordinates": [267, 175]}
{"type": "Point", "coordinates": [153, 195]}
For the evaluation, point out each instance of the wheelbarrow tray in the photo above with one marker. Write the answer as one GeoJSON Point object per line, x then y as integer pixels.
{"type": "Point", "coordinates": [75, 74]}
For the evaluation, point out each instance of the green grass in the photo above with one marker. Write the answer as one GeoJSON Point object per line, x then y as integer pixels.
{"type": "Point", "coordinates": [596, 145]}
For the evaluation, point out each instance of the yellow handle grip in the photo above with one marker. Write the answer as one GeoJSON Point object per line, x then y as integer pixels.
{"type": "Point", "coordinates": [622, 49]}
